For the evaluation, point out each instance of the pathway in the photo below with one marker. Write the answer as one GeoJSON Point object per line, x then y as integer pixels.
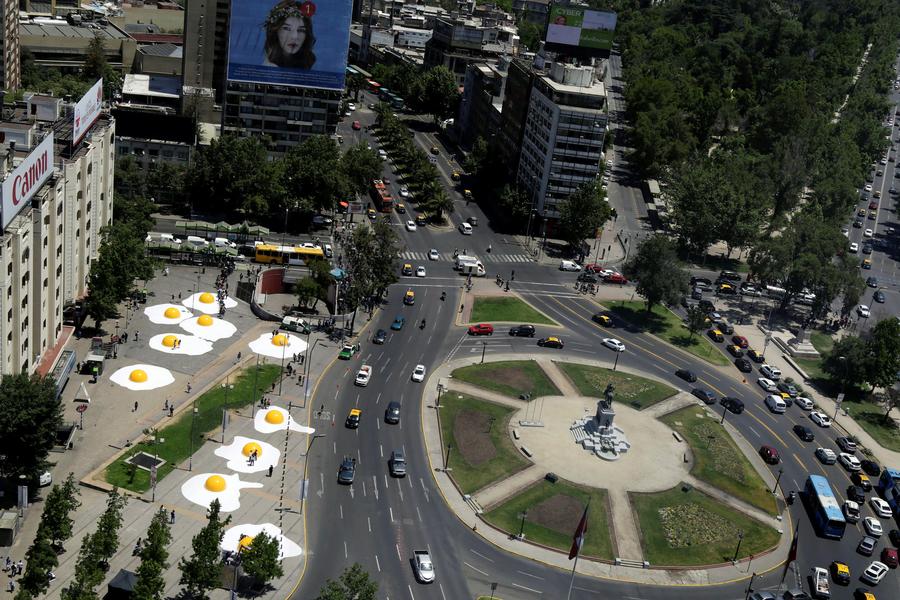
{"type": "Point", "coordinates": [626, 534]}
{"type": "Point", "coordinates": [498, 492]}
{"type": "Point", "coordinates": [559, 379]}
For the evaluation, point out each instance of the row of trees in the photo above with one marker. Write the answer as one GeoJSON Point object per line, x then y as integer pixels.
{"type": "Point", "coordinates": [431, 91]}
{"type": "Point", "coordinates": [30, 418]}
{"type": "Point", "coordinates": [873, 360]}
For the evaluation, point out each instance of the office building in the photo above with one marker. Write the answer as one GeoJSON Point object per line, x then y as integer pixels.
{"type": "Point", "coordinates": [10, 77]}
{"type": "Point", "coordinates": [205, 57]}
{"type": "Point", "coordinates": [457, 42]}
{"type": "Point", "coordinates": [63, 44]}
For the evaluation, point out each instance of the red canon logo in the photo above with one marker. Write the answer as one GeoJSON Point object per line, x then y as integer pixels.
{"type": "Point", "coordinates": [24, 183]}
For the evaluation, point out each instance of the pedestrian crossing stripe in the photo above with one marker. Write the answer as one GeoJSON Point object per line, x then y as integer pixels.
{"type": "Point", "coordinates": [488, 258]}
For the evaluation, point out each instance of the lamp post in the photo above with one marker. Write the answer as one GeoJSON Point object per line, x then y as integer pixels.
{"type": "Point", "coordinates": [193, 418]}
{"type": "Point", "coordinates": [447, 458]}
{"type": "Point", "coordinates": [543, 243]}
{"type": "Point", "coordinates": [724, 412]}
{"type": "Point", "coordinates": [616, 363]}
{"type": "Point", "coordinates": [226, 386]}
{"type": "Point", "coordinates": [309, 444]}
{"type": "Point", "coordinates": [837, 403]}
{"type": "Point", "coordinates": [777, 480]}
{"type": "Point", "coordinates": [440, 389]}
{"type": "Point", "coordinates": [483, 350]}
{"type": "Point", "coordinates": [750, 587]}
{"type": "Point", "coordinates": [738, 549]}
{"type": "Point", "coordinates": [522, 515]}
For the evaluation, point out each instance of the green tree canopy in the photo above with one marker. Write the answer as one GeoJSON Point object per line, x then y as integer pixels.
{"type": "Point", "coordinates": [360, 166]}
{"type": "Point", "coordinates": [354, 584]}
{"type": "Point", "coordinates": [200, 573]}
{"type": "Point", "coordinates": [582, 214]}
{"type": "Point", "coordinates": [313, 174]}
{"type": "Point", "coordinates": [261, 560]}
{"type": "Point", "coordinates": [660, 277]}
{"type": "Point", "coordinates": [29, 420]}
{"type": "Point", "coordinates": [883, 347]}
{"type": "Point", "coordinates": [151, 584]}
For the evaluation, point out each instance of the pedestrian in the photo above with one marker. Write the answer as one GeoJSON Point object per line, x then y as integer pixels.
{"type": "Point", "coordinates": [461, 306]}
{"type": "Point", "coordinates": [137, 336]}
{"type": "Point", "coordinates": [135, 406]}
{"type": "Point", "coordinates": [179, 296]}
{"type": "Point", "coordinates": [512, 276]}
{"type": "Point", "coordinates": [173, 297]}
{"type": "Point", "coordinates": [171, 411]}
{"type": "Point", "coordinates": [172, 517]}
{"type": "Point", "coordinates": [189, 387]}
{"type": "Point", "coordinates": [20, 566]}
{"type": "Point", "coordinates": [12, 586]}
{"type": "Point", "coordinates": [166, 405]}
{"type": "Point", "coordinates": [271, 468]}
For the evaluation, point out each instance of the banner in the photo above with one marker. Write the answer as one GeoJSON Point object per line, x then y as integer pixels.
{"type": "Point", "coordinates": [87, 110]}
{"type": "Point", "coordinates": [21, 184]}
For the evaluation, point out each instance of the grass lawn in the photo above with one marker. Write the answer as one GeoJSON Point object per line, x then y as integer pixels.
{"type": "Point", "coordinates": [177, 435]}
{"type": "Point", "coordinates": [637, 392]}
{"type": "Point", "coordinates": [870, 416]}
{"type": "Point", "coordinates": [691, 528]}
{"type": "Point", "coordinates": [554, 510]}
{"type": "Point", "coordinates": [509, 377]}
{"type": "Point", "coordinates": [717, 459]}
{"type": "Point", "coordinates": [506, 309]}
{"type": "Point", "coordinates": [482, 452]}
{"type": "Point", "coordinates": [666, 325]}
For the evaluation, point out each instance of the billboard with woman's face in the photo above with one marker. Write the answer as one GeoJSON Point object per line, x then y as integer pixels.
{"type": "Point", "coordinates": [289, 42]}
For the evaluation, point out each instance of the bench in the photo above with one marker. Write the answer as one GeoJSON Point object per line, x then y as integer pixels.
{"type": "Point", "coordinates": [526, 451]}
{"type": "Point", "coordinates": [677, 436]}
{"type": "Point", "coordinates": [516, 433]}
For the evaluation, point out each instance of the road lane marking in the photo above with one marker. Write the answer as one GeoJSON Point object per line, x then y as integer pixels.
{"type": "Point", "coordinates": [369, 522]}
{"type": "Point", "coordinates": [380, 447]}
{"type": "Point", "coordinates": [442, 591]}
{"type": "Point", "coordinates": [527, 589]}
{"type": "Point", "coordinates": [409, 587]}
{"type": "Point", "coordinates": [476, 569]}
{"type": "Point", "coordinates": [377, 564]}
{"type": "Point", "coordinates": [756, 433]}
{"type": "Point", "coordinates": [418, 514]}
{"type": "Point", "coordinates": [769, 429]}
{"type": "Point", "coordinates": [345, 549]}
{"type": "Point", "coordinates": [400, 558]}
{"type": "Point", "coordinates": [530, 575]}
{"type": "Point", "coordinates": [481, 555]}
{"type": "Point", "coordinates": [392, 513]}
{"type": "Point", "coordinates": [342, 511]}
{"type": "Point", "coordinates": [399, 489]}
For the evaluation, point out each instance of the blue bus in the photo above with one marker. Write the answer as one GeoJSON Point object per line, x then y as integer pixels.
{"type": "Point", "coordinates": [824, 510]}
{"type": "Point", "coordinates": [889, 488]}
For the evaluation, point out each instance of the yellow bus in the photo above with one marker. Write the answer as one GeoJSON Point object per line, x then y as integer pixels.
{"type": "Point", "coordinates": [291, 255]}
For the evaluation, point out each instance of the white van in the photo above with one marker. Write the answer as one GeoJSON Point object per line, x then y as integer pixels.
{"type": "Point", "coordinates": [465, 229]}
{"type": "Point", "coordinates": [469, 265]}
{"type": "Point", "coordinates": [224, 243]}
{"type": "Point", "coordinates": [569, 265]}
{"type": "Point", "coordinates": [162, 237]}
{"type": "Point", "coordinates": [776, 404]}
{"type": "Point", "coordinates": [775, 292]}
{"type": "Point", "coordinates": [198, 242]}
{"type": "Point", "coordinates": [328, 251]}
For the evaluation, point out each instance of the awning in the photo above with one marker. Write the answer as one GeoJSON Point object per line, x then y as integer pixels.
{"type": "Point", "coordinates": [343, 204]}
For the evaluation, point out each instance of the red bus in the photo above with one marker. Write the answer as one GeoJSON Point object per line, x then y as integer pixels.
{"type": "Point", "coordinates": [374, 86]}
{"type": "Point", "coordinates": [381, 195]}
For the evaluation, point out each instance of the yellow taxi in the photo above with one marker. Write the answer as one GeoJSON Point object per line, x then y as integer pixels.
{"type": "Point", "coordinates": [735, 350]}
{"type": "Point", "coordinates": [840, 572]}
{"type": "Point", "coordinates": [861, 212]}
{"type": "Point", "coordinates": [455, 176]}
{"type": "Point", "coordinates": [602, 319]}
{"type": "Point", "coordinates": [372, 214]}
{"type": "Point", "coordinates": [726, 288]}
{"type": "Point", "coordinates": [715, 335]}
{"type": "Point", "coordinates": [420, 220]}
{"type": "Point", "coordinates": [353, 418]}
{"type": "Point", "coordinates": [434, 150]}
{"type": "Point", "coordinates": [407, 269]}
{"type": "Point", "coordinates": [867, 263]}
{"type": "Point", "coordinates": [467, 194]}
{"type": "Point", "coordinates": [401, 208]}
{"type": "Point", "coordinates": [409, 298]}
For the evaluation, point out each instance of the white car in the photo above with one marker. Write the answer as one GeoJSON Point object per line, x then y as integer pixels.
{"type": "Point", "coordinates": [614, 344]}
{"type": "Point", "coordinates": [875, 572]}
{"type": "Point", "coordinates": [410, 225]}
{"type": "Point", "coordinates": [767, 384]}
{"type": "Point", "coordinates": [884, 160]}
{"type": "Point", "coordinates": [351, 106]}
{"type": "Point", "coordinates": [820, 419]}
{"type": "Point", "coordinates": [850, 462]}
{"type": "Point", "coordinates": [420, 271]}
{"type": "Point", "coordinates": [868, 233]}
{"type": "Point", "coordinates": [851, 511]}
{"type": "Point", "coordinates": [804, 402]}
{"type": "Point", "coordinates": [854, 247]}
{"type": "Point", "coordinates": [881, 508]}
{"type": "Point", "coordinates": [363, 376]}
{"type": "Point", "coordinates": [569, 265]}
{"type": "Point", "coordinates": [771, 372]}
{"type": "Point", "coordinates": [868, 187]}
{"type": "Point", "coordinates": [433, 254]}
{"type": "Point", "coordinates": [404, 191]}
{"type": "Point", "coordinates": [826, 456]}
{"type": "Point", "coordinates": [382, 154]}
{"type": "Point", "coordinates": [872, 527]}
{"type": "Point", "coordinates": [863, 311]}
{"type": "Point", "coordinates": [418, 373]}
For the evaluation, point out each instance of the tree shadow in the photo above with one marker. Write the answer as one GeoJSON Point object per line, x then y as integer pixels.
{"type": "Point", "coordinates": [640, 319]}
{"type": "Point", "coordinates": [684, 341]}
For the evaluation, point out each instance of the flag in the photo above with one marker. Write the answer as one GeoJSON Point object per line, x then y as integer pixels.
{"type": "Point", "coordinates": [792, 553]}
{"type": "Point", "coordinates": [578, 538]}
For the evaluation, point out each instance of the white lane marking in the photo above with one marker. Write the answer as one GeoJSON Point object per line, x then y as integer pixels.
{"type": "Point", "coordinates": [756, 433]}
{"type": "Point", "coordinates": [481, 555]}
{"type": "Point", "coordinates": [385, 480]}
{"type": "Point", "coordinates": [442, 591]}
{"type": "Point", "coordinates": [528, 574]}
{"type": "Point", "coordinates": [375, 486]}
{"type": "Point", "coordinates": [418, 514]}
{"type": "Point", "coordinates": [392, 513]}
{"type": "Point", "coordinates": [345, 549]}
{"type": "Point", "coordinates": [378, 424]}
{"type": "Point", "coordinates": [476, 569]}
{"type": "Point", "coordinates": [364, 489]}
{"type": "Point", "coordinates": [369, 521]}
{"type": "Point", "coordinates": [380, 448]}
{"type": "Point", "coordinates": [377, 564]}
{"type": "Point", "coordinates": [409, 587]}
{"type": "Point", "coordinates": [334, 447]}
{"type": "Point", "coordinates": [527, 589]}
{"type": "Point", "coordinates": [400, 558]}
{"type": "Point", "coordinates": [342, 511]}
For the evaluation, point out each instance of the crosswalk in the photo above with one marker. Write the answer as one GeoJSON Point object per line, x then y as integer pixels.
{"type": "Point", "coordinates": [486, 258]}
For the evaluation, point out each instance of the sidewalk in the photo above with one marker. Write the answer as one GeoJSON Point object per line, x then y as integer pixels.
{"type": "Point", "coordinates": [610, 249]}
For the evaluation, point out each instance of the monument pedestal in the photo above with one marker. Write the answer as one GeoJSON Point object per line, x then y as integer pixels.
{"type": "Point", "coordinates": [801, 347]}
{"type": "Point", "coordinates": [597, 434]}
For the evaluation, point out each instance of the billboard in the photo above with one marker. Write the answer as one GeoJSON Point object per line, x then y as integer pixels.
{"type": "Point", "coordinates": [289, 42]}
{"type": "Point", "coordinates": [23, 181]}
{"type": "Point", "coordinates": [580, 27]}
{"type": "Point", "coordinates": [87, 110]}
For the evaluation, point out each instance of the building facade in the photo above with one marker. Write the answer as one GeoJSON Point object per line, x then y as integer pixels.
{"type": "Point", "coordinates": [10, 77]}
{"type": "Point", "coordinates": [205, 57]}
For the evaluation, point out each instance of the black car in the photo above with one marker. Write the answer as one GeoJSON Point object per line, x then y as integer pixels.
{"type": "Point", "coordinates": [756, 356]}
{"type": "Point", "coordinates": [585, 277]}
{"type": "Point", "coordinates": [804, 433]}
{"type": "Point", "coordinates": [696, 294]}
{"type": "Point", "coordinates": [858, 223]}
{"type": "Point", "coordinates": [871, 468]}
{"type": "Point", "coordinates": [686, 375]}
{"type": "Point", "coordinates": [867, 249]}
{"type": "Point", "coordinates": [894, 536]}
{"type": "Point", "coordinates": [392, 412]}
{"type": "Point", "coordinates": [729, 276]}
{"type": "Point", "coordinates": [522, 331]}
{"type": "Point", "coordinates": [347, 470]}
{"type": "Point", "coordinates": [735, 405]}
{"type": "Point", "coordinates": [380, 337]}
{"type": "Point", "coordinates": [872, 281]}
{"type": "Point", "coordinates": [878, 297]}
{"type": "Point", "coordinates": [704, 395]}
{"type": "Point", "coordinates": [788, 388]}
{"type": "Point", "coordinates": [707, 306]}
{"type": "Point", "coordinates": [725, 327]}
{"type": "Point", "coordinates": [743, 365]}
{"type": "Point", "coordinates": [856, 493]}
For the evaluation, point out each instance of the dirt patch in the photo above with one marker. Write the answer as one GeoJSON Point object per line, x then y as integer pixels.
{"type": "Point", "coordinates": [559, 512]}
{"type": "Point", "coordinates": [514, 378]}
{"type": "Point", "coordinates": [471, 432]}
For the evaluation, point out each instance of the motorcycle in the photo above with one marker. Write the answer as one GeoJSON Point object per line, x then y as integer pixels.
{"type": "Point", "coordinates": [422, 324]}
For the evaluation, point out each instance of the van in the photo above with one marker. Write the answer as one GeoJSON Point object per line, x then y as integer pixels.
{"type": "Point", "coordinates": [775, 292]}
{"type": "Point", "coordinates": [776, 404]}
{"type": "Point", "coordinates": [224, 243]}
{"type": "Point", "coordinates": [569, 265]}
{"type": "Point", "coordinates": [162, 237]}
{"type": "Point", "coordinates": [465, 229]}
{"type": "Point", "coordinates": [328, 251]}
{"type": "Point", "coordinates": [469, 265]}
{"type": "Point", "coordinates": [197, 242]}
{"type": "Point", "coordinates": [295, 324]}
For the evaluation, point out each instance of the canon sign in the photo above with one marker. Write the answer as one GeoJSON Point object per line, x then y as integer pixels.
{"type": "Point", "coordinates": [21, 184]}
{"type": "Point", "coordinates": [86, 111]}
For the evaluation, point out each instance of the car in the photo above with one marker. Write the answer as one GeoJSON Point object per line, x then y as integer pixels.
{"type": "Point", "coordinates": [804, 403]}
{"type": "Point", "coordinates": [434, 150]}
{"type": "Point", "coordinates": [418, 374]}
{"type": "Point", "coordinates": [849, 462]}
{"type": "Point", "coordinates": [382, 154]}
{"type": "Point", "coordinates": [522, 331]}
{"type": "Point", "coordinates": [704, 395]}
{"type": "Point", "coordinates": [868, 233]}
{"type": "Point", "coordinates": [735, 350]}
{"type": "Point", "coordinates": [770, 455]}
{"type": "Point", "coordinates": [788, 388]}
{"type": "Point", "coordinates": [398, 323]}
{"type": "Point", "coordinates": [894, 536]}
{"type": "Point", "coordinates": [820, 419]}
{"type": "Point", "coordinates": [846, 444]}
{"type": "Point", "coordinates": [873, 205]}
{"type": "Point", "coordinates": [353, 418]}
{"type": "Point", "coordinates": [724, 326]}
{"type": "Point", "coordinates": [569, 265]}
{"type": "Point", "coordinates": [872, 527]}
{"type": "Point", "coordinates": [347, 470]}
{"type": "Point", "coordinates": [433, 254]}
{"type": "Point", "coordinates": [392, 412]}
{"type": "Point", "coordinates": [804, 433]}
{"type": "Point", "coordinates": [856, 493]}
{"type": "Point", "coordinates": [351, 106]}
{"type": "Point", "coordinates": [602, 319]}
{"type": "Point", "coordinates": [863, 311]}
{"type": "Point", "coordinates": [840, 572]}
{"type": "Point", "coordinates": [740, 341]}
{"type": "Point", "coordinates": [406, 269]}
{"type": "Point", "coordinates": [421, 220]}
{"type": "Point", "coordinates": [455, 176]}
{"type": "Point", "coordinates": [743, 365]}
{"type": "Point", "coordinates": [870, 468]}
{"type": "Point", "coordinates": [770, 372]}
{"type": "Point", "coordinates": [614, 344]}
{"type": "Point", "coordinates": [858, 223]}
{"type": "Point", "coordinates": [465, 228]}
{"type": "Point", "coordinates": [866, 263]}
{"type": "Point", "coordinates": [356, 125]}
{"type": "Point", "coordinates": [766, 384]}
{"type": "Point", "coordinates": [748, 289]}
{"type": "Point", "coordinates": [404, 191]}
{"type": "Point", "coordinates": [868, 187]}
{"type": "Point", "coordinates": [687, 375]}
{"type": "Point", "coordinates": [875, 572]}
{"type": "Point", "coordinates": [715, 335]}
{"type": "Point", "coordinates": [348, 351]}
{"type": "Point", "coordinates": [880, 507]}
{"type": "Point", "coordinates": [550, 342]}
{"type": "Point", "coordinates": [878, 297]}
{"type": "Point", "coordinates": [776, 404]}
{"type": "Point", "coordinates": [761, 596]}
{"type": "Point", "coordinates": [701, 282]}
{"type": "Point", "coordinates": [861, 212]}
{"type": "Point", "coordinates": [585, 277]}
{"type": "Point", "coordinates": [866, 545]}
{"type": "Point", "coordinates": [371, 214]}
{"type": "Point", "coordinates": [889, 557]}
{"type": "Point", "coordinates": [481, 329]}
{"type": "Point", "coordinates": [617, 278]}
{"type": "Point", "coordinates": [420, 271]}
{"type": "Point", "coordinates": [826, 456]}
{"type": "Point", "coordinates": [708, 307]}
{"type": "Point", "coordinates": [400, 208]}
{"type": "Point", "coordinates": [397, 464]}
{"type": "Point", "coordinates": [863, 593]}
{"type": "Point", "coordinates": [735, 405]}
{"type": "Point", "coordinates": [755, 356]}
{"type": "Point", "coordinates": [409, 298]}
{"type": "Point", "coordinates": [380, 337]}
{"type": "Point", "coordinates": [872, 282]}
{"type": "Point", "coordinates": [851, 511]}
{"type": "Point", "coordinates": [363, 376]}
{"type": "Point", "coordinates": [410, 225]}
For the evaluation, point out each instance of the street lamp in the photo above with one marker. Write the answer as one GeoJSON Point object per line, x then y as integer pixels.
{"type": "Point", "coordinates": [750, 587]}
{"type": "Point", "coordinates": [193, 418]}
{"type": "Point", "coordinates": [777, 480]}
{"type": "Point", "coordinates": [440, 389]}
{"type": "Point", "coordinates": [447, 458]}
{"type": "Point", "coordinates": [738, 549]}
{"type": "Point", "coordinates": [226, 386]}
{"type": "Point", "coordinates": [483, 350]}
{"type": "Point", "coordinates": [522, 515]}
{"type": "Point", "coordinates": [724, 412]}
{"type": "Point", "coordinates": [616, 363]}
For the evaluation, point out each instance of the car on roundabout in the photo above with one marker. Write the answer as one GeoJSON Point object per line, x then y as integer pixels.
{"type": "Point", "coordinates": [433, 254]}
{"type": "Point", "coordinates": [849, 462]}
{"type": "Point", "coordinates": [686, 374]}
{"type": "Point", "coordinates": [410, 225]}
{"type": "Point", "coordinates": [872, 527]}
{"type": "Point", "coordinates": [614, 344]}
{"type": "Point", "coordinates": [353, 418]}
{"type": "Point", "coordinates": [880, 507]}
{"type": "Point", "coordinates": [743, 365]}
{"type": "Point", "coordinates": [409, 298]}
{"type": "Point", "coordinates": [481, 329]}
{"type": "Point", "coordinates": [875, 572]}
{"type": "Point", "coordinates": [820, 419]}
{"type": "Point", "coordinates": [826, 456]}
{"type": "Point", "coordinates": [866, 546]}
{"type": "Point", "coordinates": [705, 395]}
{"type": "Point", "coordinates": [420, 271]}
{"type": "Point", "coordinates": [550, 342]}
{"type": "Point", "coordinates": [398, 323]}
{"type": "Point", "coordinates": [766, 384]}
{"type": "Point", "coordinates": [392, 412]}
{"type": "Point", "coordinates": [348, 351]}
{"type": "Point", "coordinates": [602, 319]}
{"type": "Point", "coordinates": [380, 337]}
{"type": "Point", "coordinates": [840, 573]}
{"type": "Point", "coordinates": [363, 376]}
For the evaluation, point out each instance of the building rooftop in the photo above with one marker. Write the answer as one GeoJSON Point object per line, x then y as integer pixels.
{"type": "Point", "coordinates": [158, 86]}
{"type": "Point", "coordinates": [43, 27]}
{"type": "Point", "coordinates": [172, 50]}
{"type": "Point", "coordinates": [597, 89]}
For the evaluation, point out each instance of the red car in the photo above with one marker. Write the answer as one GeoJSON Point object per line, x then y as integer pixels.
{"type": "Point", "coordinates": [592, 268]}
{"type": "Point", "coordinates": [873, 205]}
{"type": "Point", "coordinates": [889, 557]}
{"type": "Point", "coordinates": [616, 278]}
{"type": "Point", "coordinates": [356, 125]}
{"type": "Point", "coordinates": [770, 455]}
{"type": "Point", "coordinates": [481, 329]}
{"type": "Point", "coordinates": [740, 341]}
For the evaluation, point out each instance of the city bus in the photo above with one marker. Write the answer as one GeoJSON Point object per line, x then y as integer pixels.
{"type": "Point", "coordinates": [384, 94]}
{"type": "Point", "coordinates": [824, 510]}
{"type": "Point", "coordinates": [396, 102]}
{"type": "Point", "coordinates": [889, 488]}
{"type": "Point", "coordinates": [291, 255]}
{"type": "Point", "coordinates": [373, 86]}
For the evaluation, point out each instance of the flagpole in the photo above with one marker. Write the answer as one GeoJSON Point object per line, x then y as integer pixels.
{"type": "Point", "coordinates": [578, 542]}
{"type": "Point", "coordinates": [572, 581]}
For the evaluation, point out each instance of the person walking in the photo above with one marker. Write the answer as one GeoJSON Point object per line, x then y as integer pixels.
{"type": "Point", "coordinates": [172, 517]}
{"type": "Point", "coordinates": [135, 406]}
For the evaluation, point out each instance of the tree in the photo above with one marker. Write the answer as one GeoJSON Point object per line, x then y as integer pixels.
{"type": "Point", "coordinates": [695, 320]}
{"type": "Point", "coordinates": [105, 541]}
{"type": "Point", "coordinates": [200, 573]}
{"type": "Point", "coordinates": [96, 66]}
{"type": "Point", "coordinates": [530, 34]}
{"type": "Point", "coordinates": [847, 361]}
{"type": "Point", "coordinates": [440, 93]}
{"type": "Point", "coordinates": [355, 82]}
{"type": "Point", "coordinates": [130, 180]}
{"type": "Point", "coordinates": [360, 166]}
{"type": "Point", "coordinates": [307, 290]}
{"type": "Point", "coordinates": [883, 349]}
{"type": "Point", "coordinates": [659, 275]}
{"type": "Point", "coordinates": [354, 584]}
{"type": "Point", "coordinates": [313, 174]}
{"type": "Point", "coordinates": [88, 574]}
{"type": "Point", "coordinates": [40, 560]}
{"type": "Point", "coordinates": [434, 201]}
{"type": "Point", "coordinates": [261, 560]}
{"type": "Point", "coordinates": [150, 584]}
{"type": "Point", "coordinates": [516, 205]}
{"type": "Point", "coordinates": [56, 520]}
{"type": "Point", "coordinates": [582, 214]}
{"type": "Point", "coordinates": [29, 420]}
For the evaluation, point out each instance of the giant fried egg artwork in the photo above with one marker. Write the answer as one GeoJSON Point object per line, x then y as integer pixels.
{"type": "Point", "coordinates": [178, 343]}
{"type": "Point", "coordinates": [139, 378]}
{"type": "Point", "coordinates": [279, 345]}
{"type": "Point", "coordinates": [206, 302]}
{"type": "Point", "coordinates": [275, 418]}
{"type": "Point", "coordinates": [240, 449]}
{"type": "Point", "coordinates": [240, 537]}
{"type": "Point", "coordinates": [204, 488]}
{"type": "Point", "coordinates": [208, 327]}
{"type": "Point", "coordinates": [167, 314]}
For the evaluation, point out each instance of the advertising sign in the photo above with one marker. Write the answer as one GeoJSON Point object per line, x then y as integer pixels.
{"type": "Point", "coordinates": [87, 110]}
{"type": "Point", "coordinates": [23, 181]}
{"type": "Point", "coordinates": [289, 42]}
{"type": "Point", "coordinates": [579, 27]}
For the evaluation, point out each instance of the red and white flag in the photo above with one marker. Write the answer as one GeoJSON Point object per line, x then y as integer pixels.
{"type": "Point", "coordinates": [578, 538]}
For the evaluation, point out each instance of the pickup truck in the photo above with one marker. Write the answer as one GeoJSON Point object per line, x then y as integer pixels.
{"type": "Point", "coordinates": [424, 566]}
{"type": "Point", "coordinates": [363, 376]}
{"type": "Point", "coordinates": [348, 351]}
{"type": "Point", "coordinates": [819, 583]}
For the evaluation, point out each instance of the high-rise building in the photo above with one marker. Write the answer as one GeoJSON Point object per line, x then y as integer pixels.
{"type": "Point", "coordinates": [205, 56]}
{"type": "Point", "coordinates": [10, 77]}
